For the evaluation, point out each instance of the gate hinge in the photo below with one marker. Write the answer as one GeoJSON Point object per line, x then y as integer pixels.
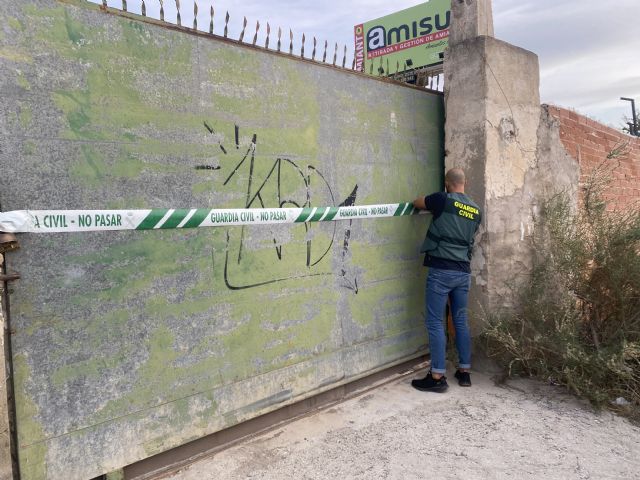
{"type": "Point", "coordinates": [9, 276]}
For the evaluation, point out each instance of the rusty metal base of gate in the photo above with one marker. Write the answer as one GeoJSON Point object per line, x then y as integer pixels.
{"type": "Point", "coordinates": [172, 460]}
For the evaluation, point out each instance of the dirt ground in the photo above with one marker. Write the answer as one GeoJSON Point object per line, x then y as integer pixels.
{"type": "Point", "coordinates": [520, 430]}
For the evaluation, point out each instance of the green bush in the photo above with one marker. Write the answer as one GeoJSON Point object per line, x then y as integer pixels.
{"type": "Point", "coordinates": [578, 317]}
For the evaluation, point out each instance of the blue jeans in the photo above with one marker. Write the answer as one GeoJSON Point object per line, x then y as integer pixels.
{"type": "Point", "coordinates": [440, 285]}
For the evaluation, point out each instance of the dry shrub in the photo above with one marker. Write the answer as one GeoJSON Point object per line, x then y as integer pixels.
{"type": "Point", "coordinates": [578, 319]}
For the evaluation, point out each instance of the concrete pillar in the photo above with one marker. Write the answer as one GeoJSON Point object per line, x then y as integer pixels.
{"type": "Point", "coordinates": [493, 114]}
{"type": "Point", "coordinates": [472, 18]}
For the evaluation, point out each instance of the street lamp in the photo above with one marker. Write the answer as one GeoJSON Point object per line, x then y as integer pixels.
{"type": "Point", "coordinates": [634, 128]}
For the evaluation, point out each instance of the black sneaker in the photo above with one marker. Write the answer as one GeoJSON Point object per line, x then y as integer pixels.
{"type": "Point", "coordinates": [464, 379]}
{"type": "Point", "coordinates": [430, 384]}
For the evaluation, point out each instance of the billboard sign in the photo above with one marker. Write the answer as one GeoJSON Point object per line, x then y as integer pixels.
{"type": "Point", "coordinates": [405, 40]}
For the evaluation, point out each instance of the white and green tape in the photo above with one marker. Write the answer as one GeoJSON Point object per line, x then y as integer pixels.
{"type": "Point", "coordinates": [51, 221]}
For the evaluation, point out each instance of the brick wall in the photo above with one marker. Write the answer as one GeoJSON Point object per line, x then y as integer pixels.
{"type": "Point", "coordinates": [595, 145]}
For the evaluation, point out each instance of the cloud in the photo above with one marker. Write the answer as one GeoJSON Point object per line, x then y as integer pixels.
{"type": "Point", "coordinates": [588, 49]}
{"type": "Point", "coordinates": [557, 32]}
{"type": "Point", "coordinates": [329, 20]}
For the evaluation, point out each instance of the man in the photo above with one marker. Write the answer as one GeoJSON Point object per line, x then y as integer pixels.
{"type": "Point", "coordinates": [447, 249]}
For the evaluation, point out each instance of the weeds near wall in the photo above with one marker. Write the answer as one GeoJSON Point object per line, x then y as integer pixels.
{"type": "Point", "coordinates": [578, 320]}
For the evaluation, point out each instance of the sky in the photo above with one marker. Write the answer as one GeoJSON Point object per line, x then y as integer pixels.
{"type": "Point", "coordinates": [589, 53]}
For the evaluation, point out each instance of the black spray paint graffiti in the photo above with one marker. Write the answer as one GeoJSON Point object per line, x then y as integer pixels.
{"type": "Point", "coordinates": [207, 167]}
{"type": "Point", "coordinates": [284, 198]}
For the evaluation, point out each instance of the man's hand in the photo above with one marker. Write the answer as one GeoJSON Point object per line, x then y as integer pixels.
{"type": "Point", "coordinates": [419, 203]}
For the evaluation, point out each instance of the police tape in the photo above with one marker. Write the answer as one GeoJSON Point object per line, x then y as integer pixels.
{"type": "Point", "coordinates": [53, 221]}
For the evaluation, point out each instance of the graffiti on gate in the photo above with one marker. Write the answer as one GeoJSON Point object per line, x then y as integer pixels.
{"type": "Point", "coordinates": [264, 190]}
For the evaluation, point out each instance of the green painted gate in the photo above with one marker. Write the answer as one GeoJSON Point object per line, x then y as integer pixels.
{"type": "Point", "coordinates": [127, 344]}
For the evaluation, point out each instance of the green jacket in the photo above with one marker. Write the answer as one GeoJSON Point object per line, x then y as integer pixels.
{"type": "Point", "coordinates": [450, 236]}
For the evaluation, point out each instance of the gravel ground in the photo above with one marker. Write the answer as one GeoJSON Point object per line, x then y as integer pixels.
{"type": "Point", "coordinates": [520, 430]}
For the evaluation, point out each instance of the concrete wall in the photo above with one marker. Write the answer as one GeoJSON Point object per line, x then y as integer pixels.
{"type": "Point", "coordinates": [517, 154]}
{"type": "Point", "coordinates": [597, 146]}
{"type": "Point", "coordinates": [513, 157]}
{"type": "Point", "coordinates": [127, 344]}
{"type": "Point", "coordinates": [473, 18]}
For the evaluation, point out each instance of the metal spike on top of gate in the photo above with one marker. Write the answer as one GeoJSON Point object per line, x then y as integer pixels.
{"type": "Point", "coordinates": [255, 37]}
{"type": "Point", "coordinates": [266, 43]}
{"type": "Point", "coordinates": [244, 27]}
{"type": "Point", "coordinates": [309, 54]}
